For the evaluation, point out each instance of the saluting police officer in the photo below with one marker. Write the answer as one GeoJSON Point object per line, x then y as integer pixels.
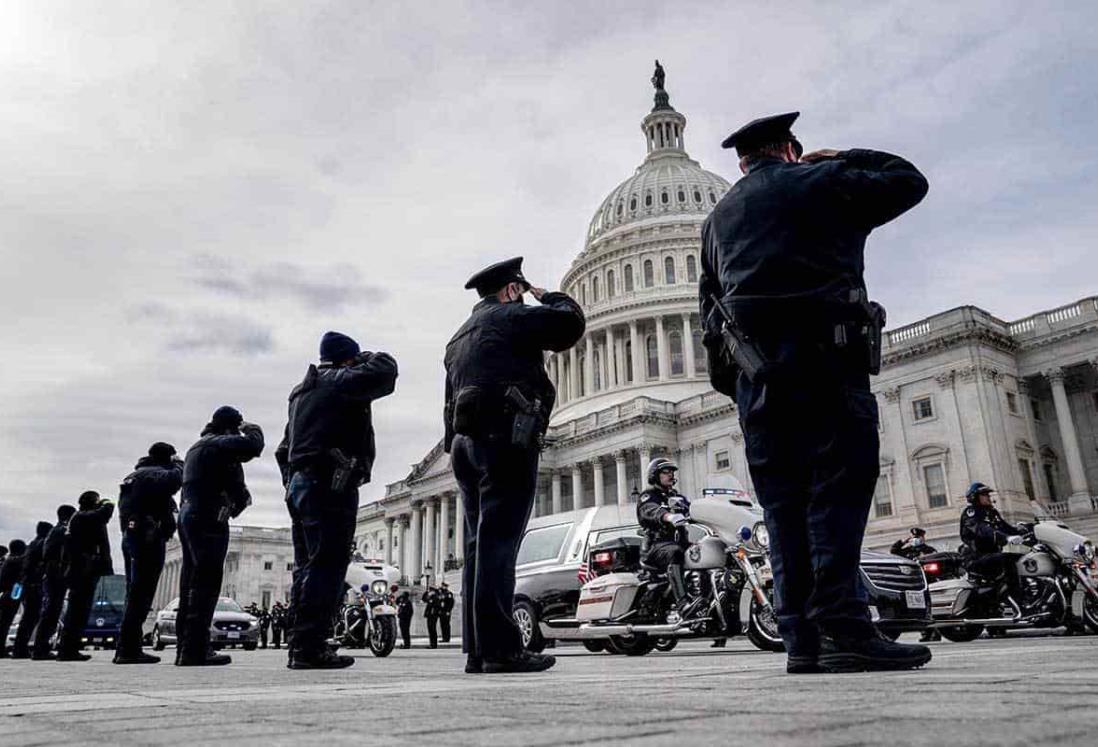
{"type": "Point", "coordinates": [446, 608]}
{"type": "Point", "coordinates": [87, 556]}
{"type": "Point", "coordinates": [213, 492]}
{"type": "Point", "coordinates": [498, 400]}
{"type": "Point", "coordinates": [327, 453]}
{"type": "Point", "coordinates": [54, 584]}
{"type": "Point", "coordinates": [146, 510]}
{"type": "Point", "coordinates": [783, 256]}
{"type": "Point", "coordinates": [34, 569]}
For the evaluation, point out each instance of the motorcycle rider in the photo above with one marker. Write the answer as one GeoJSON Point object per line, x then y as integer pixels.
{"type": "Point", "coordinates": [913, 546]}
{"type": "Point", "coordinates": [984, 532]}
{"type": "Point", "coordinates": [662, 513]}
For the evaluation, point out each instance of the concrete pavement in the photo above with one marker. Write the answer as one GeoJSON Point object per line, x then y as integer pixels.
{"type": "Point", "coordinates": [1033, 690]}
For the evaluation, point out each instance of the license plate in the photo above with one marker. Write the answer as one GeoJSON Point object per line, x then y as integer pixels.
{"type": "Point", "coordinates": [234, 635]}
{"type": "Point", "coordinates": [915, 600]}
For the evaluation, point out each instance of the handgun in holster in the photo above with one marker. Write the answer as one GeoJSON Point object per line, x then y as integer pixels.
{"type": "Point", "coordinates": [872, 328]}
{"type": "Point", "coordinates": [738, 349]}
{"type": "Point", "coordinates": [344, 472]}
{"type": "Point", "coordinates": [526, 431]}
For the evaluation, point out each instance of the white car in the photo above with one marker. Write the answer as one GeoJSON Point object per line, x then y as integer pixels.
{"type": "Point", "coordinates": [231, 626]}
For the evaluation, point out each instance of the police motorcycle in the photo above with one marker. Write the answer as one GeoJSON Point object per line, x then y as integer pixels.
{"type": "Point", "coordinates": [369, 617]}
{"type": "Point", "coordinates": [628, 607]}
{"type": "Point", "coordinates": [1058, 578]}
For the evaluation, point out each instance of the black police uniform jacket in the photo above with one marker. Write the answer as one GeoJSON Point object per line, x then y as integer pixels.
{"type": "Point", "coordinates": [446, 602]}
{"type": "Point", "coordinates": [905, 549]}
{"type": "Point", "coordinates": [212, 471]}
{"type": "Point", "coordinates": [87, 547]}
{"type": "Point", "coordinates": [405, 608]}
{"type": "Point", "coordinates": [34, 561]}
{"type": "Point", "coordinates": [798, 229]}
{"type": "Point", "coordinates": [53, 551]}
{"type": "Point", "coordinates": [984, 530]}
{"type": "Point", "coordinates": [146, 497]}
{"type": "Point", "coordinates": [330, 409]}
{"type": "Point", "coordinates": [651, 508]}
{"type": "Point", "coordinates": [503, 344]}
{"type": "Point", "coordinates": [10, 573]}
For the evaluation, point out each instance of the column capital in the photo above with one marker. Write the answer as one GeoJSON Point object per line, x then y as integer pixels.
{"type": "Point", "coordinates": [390, 520]}
{"type": "Point", "coordinates": [1055, 375]}
{"type": "Point", "coordinates": [946, 378]}
{"type": "Point", "coordinates": [737, 437]}
{"type": "Point", "coordinates": [1023, 386]}
{"type": "Point", "coordinates": [891, 394]}
{"type": "Point", "coordinates": [597, 461]}
{"type": "Point", "coordinates": [621, 455]}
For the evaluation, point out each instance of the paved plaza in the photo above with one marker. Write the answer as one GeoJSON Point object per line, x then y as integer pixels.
{"type": "Point", "coordinates": [1018, 691]}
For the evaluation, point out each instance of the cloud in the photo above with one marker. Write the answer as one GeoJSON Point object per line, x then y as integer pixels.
{"type": "Point", "coordinates": [328, 287]}
{"type": "Point", "coordinates": [213, 333]}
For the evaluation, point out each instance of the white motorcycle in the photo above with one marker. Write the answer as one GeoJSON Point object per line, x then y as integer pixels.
{"type": "Point", "coordinates": [628, 605]}
{"type": "Point", "coordinates": [368, 619]}
{"type": "Point", "coordinates": [1058, 577]}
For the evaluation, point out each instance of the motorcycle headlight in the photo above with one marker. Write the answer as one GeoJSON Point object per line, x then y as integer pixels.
{"type": "Point", "coordinates": [761, 535]}
{"type": "Point", "coordinates": [379, 587]}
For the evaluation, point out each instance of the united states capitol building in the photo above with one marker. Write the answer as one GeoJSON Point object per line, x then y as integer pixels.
{"type": "Point", "coordinates": [963, 395]}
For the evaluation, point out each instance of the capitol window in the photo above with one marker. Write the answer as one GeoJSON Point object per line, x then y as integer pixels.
{"type": "Point", "coordinates": [620, 207]}
{"type": "Point", "coordinates": [268, 565]}
{"type": "Point", "coordinates": [1012, 403]}
{"type": "Point", "coordinates": [664, 198]}
{"type": "Point", "coordinates": [934, 478]}
{"type": "Point", "coordinates": [923, 409]}
{"type": "Point", "coordinates": [697, 196]}
{"type": "Point", "coordinates": [581, 365]}
{"type": "Point", "coordinates": [701, 363]}
{"type": "Point", "coordinates": [628, 278]}
{"type": "Point", "coordinates": [649, 274]}
{"type": "Point", "coordinates": [633, 202]}
{"type": "Point", "coordinates": [669, 270]}
{"type": "Point", "coordinates": [653, 356]}
{"type": "Point", "coordinates": [629, 361]}
{"type": "Point", "coordinates": [648, 200]}
{"type": "Point", "coordinates": [610, 284]}
{"type": "Point", "coordinates": [594, 289]}
{"type": "Point", "coordinates": [691, 269]}
{"type": "Point", "coordinates": [681, 195]}
{"type": "Point", "coordinates": [674, 342]}
{"type": "Point", "coordinates": [597, 370]}
{"type": "Point", "coordinates": [583, 294]}
{"type": "Point", "coordinates": [712, 198]}
{"type": "Point", "coordinates": [882, 497]}
{"type": "Point", "coordinates": [722, 460]}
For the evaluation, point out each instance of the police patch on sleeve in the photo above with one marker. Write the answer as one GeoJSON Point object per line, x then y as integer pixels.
{"type": "Point", "coordinates": [970, 511]}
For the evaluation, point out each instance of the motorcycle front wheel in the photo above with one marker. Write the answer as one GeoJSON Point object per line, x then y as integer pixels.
{"type": "Point", "coordinates": [383, 636]}
{"type": "Point", "coordinates": [1090, 613]}
{"type": "Point", "coordinates": [634, 645]}
{"type": "Point", "coordinates": [762, 627]}
{"type": "Point", "coordinates": [961, 633]}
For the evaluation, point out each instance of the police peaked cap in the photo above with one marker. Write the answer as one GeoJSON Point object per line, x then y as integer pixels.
{"type": "Point", "coordinates": [492, 278]}
{"type": "Point", "coordinates": [764, 131]}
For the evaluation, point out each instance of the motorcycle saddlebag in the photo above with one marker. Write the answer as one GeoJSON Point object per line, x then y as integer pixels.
{"type": "Point", "coordinates": [607, 596]}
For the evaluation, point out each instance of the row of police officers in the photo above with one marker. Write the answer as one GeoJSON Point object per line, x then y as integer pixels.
{"type": "Point", "coordinates": [791, 336]}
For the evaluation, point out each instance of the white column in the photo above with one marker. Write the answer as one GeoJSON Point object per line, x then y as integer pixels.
{"type": "Point", "coordinates": [608, 380]}
{"type": "Point", "coordinates": [687, 345]}
{"type": "Point", "coordinates": [558, 504]}
{"type": "Point", "coordinates": [619, 360]}
{"type": "Point", "coordinates": [588, 365]}
{"type": "Point", "coordinates": [415, 564]}
{"type": "Point", "coordinates": [402, 546]}
{"type": "Point", "coordinates": [639, 372]}
{"type": "Point", "coordinates": [645, 458]}
{"type": "Point", "coordinates": [459, 526]}
{"type": "Point", "coordinates": [600, 487]}
{"type": "Point", "coordinates": [620, 473]}
{"type": "Point", "coordinates": [443, 530]}
{"type": "Point", "coordinates": [1077, 475]}
{"type": "Point", "coordinates": [389, 540]}
{"type": "Point", "coordinates": [661, 350]}
{"type": "Point", "coordinates": [554, 373]}
{"type": "Point", "coordinates": [430, 538]}
{"type": "Point", "coordinates": [577, 486]}
{"type": "Point", "coordinates": [573, 374]}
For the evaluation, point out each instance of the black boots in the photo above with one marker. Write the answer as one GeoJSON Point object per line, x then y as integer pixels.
{"type": "Point", "coordinates": [137, 657]}
{"type": "Point", "coordinates": [323, 658]}
{"type": "Point", "coordinates": [873, 654]}
{"type": "Point", "coordinates": [523, 661]}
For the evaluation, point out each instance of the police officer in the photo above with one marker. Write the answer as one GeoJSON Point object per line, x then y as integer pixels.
{"type": "Point", "coordinates": [213, 492]}
{"type": "Point", "coordinates": [278, 623]}
{"type": "Point", "coordinates": [498, 400]}
{"type": "Point", "coordinates": [661, 513]}
{"type": "Point", "coordinates": [984, 532]}
{"type": "Point", "coordinates": [146, 510]}
{"type": "Point", "coordinates": [405, 611]}
{"type": "Point", "coordinates": [445, 610]}
{"type": "Point", "coordinates": [10, 574]}
{"type": "Point", "coordinates": [264, 616]}
{"type": "Point", "coordinates": [87, 556]}
{"type": "Point", "coordinates": [782, 255]}
{"type": "Point", "coordinates": [327, 453]}
{"type": "Point", "coordinates": [913, 546]}
{"type": "Point", "coordinates": [55, 585]}
{"type": "Point", "coordinates": [33, 570]}
{"type": "Point", "coordinates": [431, 610]}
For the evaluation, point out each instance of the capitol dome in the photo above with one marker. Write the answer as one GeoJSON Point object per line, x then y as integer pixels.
{"type": "Point", "coordinates": [637, 279]}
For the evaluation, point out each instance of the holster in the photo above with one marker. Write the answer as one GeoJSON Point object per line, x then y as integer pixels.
{"type": "Point", "coordinates": [344, 472]}
{"type": "Point", "coordinates": [528, 426]}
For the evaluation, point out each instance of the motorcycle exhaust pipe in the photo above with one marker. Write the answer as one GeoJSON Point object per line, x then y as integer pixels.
{"type": "Point", "coordinates": [588, 631]}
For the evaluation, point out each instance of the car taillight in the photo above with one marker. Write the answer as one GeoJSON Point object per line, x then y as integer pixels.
{"type": "Point", "coordinates": [932, 568]}
{"type": "Point", "coordinates": [601, 560]}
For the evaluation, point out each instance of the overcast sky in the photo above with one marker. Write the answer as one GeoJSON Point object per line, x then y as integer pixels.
{"type": "Point", "coordinates": [192, 193]}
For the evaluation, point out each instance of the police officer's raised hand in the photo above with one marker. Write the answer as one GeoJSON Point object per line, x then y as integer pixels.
{"type": "Point", "coordinates": [537, 293]}
{"type": "Point", "coordinates": [823, 154]}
